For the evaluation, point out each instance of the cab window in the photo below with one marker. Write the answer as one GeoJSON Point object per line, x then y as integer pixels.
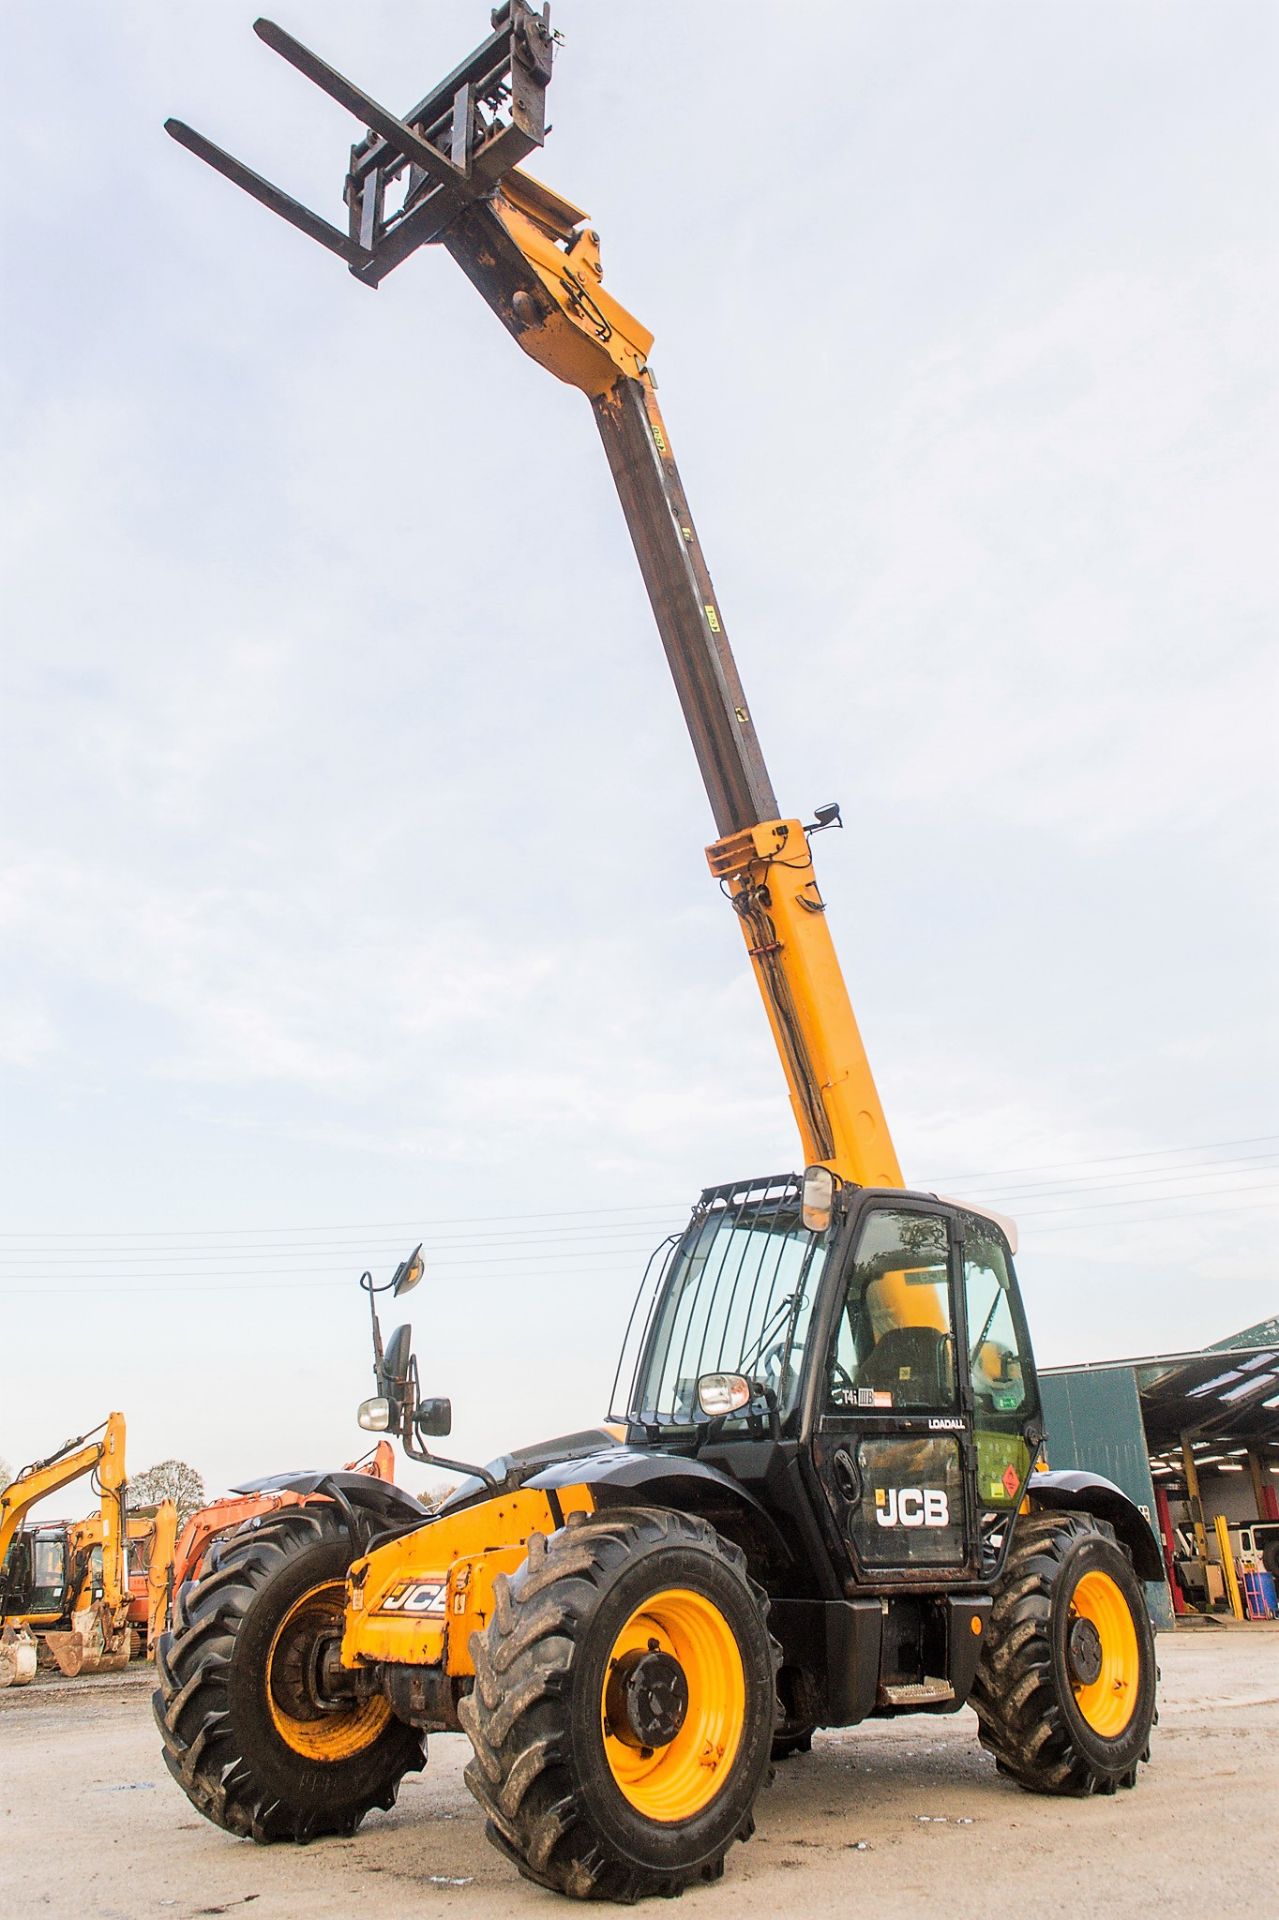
{"type": "Point", "coordinates": [894, 1342]}
{"type": "Point", "coordinates": [994, 1350]}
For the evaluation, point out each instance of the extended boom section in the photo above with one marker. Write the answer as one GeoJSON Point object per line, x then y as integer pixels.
{"type": "Point", "coordinates": [447, 174]}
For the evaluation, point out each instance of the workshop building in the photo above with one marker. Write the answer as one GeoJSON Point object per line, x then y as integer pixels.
{"type": "Point", "coordinates": [1193, 1438]}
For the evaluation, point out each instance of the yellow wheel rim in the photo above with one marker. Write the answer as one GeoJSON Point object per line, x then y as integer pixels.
{"type": "Point", "coordinates": [673, 1782]}
{"type": "Point", "coordinates": [315, 1734]}
{"type": "Point", "coordinates": [1108, 1702]}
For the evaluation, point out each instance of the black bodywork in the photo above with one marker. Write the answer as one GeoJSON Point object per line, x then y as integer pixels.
{"type": "Point", "coordinates": [871, 1619]}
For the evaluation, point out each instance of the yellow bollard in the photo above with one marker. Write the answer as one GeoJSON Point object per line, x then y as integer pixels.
{"type": "Point", "coordinates": [1228, 1565]}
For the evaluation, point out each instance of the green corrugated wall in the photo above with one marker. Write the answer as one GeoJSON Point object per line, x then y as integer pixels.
{"type": "Point", "coordinates": [1093, 1417]}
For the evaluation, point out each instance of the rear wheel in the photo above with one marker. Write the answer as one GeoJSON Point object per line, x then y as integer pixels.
{"type": "Point", "coordinates": [262, 1730]}
{"type": "Point", "coordinates": [1065, 1692]}
{"type": "Point", "coordinates": [623, 1707]}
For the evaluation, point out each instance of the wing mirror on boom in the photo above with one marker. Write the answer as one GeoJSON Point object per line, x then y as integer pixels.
{"type": "Point", "coordinates": [818, 1201]}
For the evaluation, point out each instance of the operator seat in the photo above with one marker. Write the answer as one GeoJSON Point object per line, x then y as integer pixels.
{"type": "Point", "coordinates": [913, 1364]}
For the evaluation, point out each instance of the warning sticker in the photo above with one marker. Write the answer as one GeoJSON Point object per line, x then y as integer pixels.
{"type": "Point", "coordinates": [1011, 1480]}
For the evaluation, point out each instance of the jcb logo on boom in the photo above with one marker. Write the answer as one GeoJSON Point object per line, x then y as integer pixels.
{"type": "Point", "coordinates": [912, 1507]}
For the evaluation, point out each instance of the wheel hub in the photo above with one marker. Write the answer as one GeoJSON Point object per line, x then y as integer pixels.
{"type": "Point", "coordinates": [646, 1699]}
{"type": "Point", "coordinates": [1083, 1652]}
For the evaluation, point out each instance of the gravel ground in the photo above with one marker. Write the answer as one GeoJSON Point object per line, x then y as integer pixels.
{"type": "Point", "coordinates": [900, 1817]}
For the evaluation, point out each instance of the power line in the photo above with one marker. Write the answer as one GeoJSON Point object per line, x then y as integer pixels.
{"type": "Point", "coordinates": [1160, 1176]}
{"type": "Point", "coordinates": [1108, 1160]}
{"type": "Point", "coordinates": [108, 1294]}
{"type": "Point", "coordinates": [350, 1226]}
{"type": "Point", "coordinates": [1150, 1220]}
{"type": "Point", "coordinates": [663, 1210]}
{"type": "Point", "coordinates": [261, 1280]}
{"type": "Point", "coordinates": [355, 1256]}
{"type": "Point", "coordinates": [440, 1269]}
{"type": "Point", "coordinates": [363, 1250]}
{"type": "Point", "coordinates": [1094, 1206]}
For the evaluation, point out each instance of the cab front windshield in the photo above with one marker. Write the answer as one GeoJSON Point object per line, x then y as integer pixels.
{"type": "Point", "coordinates": [738, 1299]}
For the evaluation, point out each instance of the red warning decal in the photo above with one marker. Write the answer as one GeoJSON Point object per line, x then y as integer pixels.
{"type": "Point", "coordinates": [1012, 1479]}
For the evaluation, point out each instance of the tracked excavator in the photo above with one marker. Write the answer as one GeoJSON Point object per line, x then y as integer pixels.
{"type": "Point", "coordinates": [69, 1581]}
{"type": "Point", "coordinates": [821, 1495]}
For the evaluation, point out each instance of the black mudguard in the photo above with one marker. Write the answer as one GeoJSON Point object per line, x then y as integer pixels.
{"type": "Point", "coordinates": [1074, 1491]}
{"type": "Point", "coordinates": [626, 1476]}
{"type": "Point", "coordinates": [382, 1500]}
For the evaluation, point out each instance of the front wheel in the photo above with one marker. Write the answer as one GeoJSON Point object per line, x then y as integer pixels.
{"type": "Point", "coordinates": [1065, 1692]}
{"type": "Point", "coordinates": [623, 1709]}
{"type": "Point", "coordinates": [262, 1730]}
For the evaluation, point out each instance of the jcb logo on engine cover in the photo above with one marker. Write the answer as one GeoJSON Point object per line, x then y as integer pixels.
{"type": "Point", "coordinates": [912, 1507]}
{"type": "Point", "coordinates": [414, 1596]}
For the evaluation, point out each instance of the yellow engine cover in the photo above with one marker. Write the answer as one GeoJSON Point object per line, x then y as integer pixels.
{"type": "Point", "coordinates": [417, 1600]}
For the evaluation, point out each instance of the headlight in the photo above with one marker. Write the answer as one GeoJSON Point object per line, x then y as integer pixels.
{"type": "Point", "coordinates": [723, 1393]}
{"type": "Point", "coordinates": [375, 1415]}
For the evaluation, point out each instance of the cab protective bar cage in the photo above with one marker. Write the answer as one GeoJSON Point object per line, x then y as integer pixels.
{"type": "Point", "coordinates": [694, 1318]}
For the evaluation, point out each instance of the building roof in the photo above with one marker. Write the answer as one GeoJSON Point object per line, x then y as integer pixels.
{"type": "Point", "coordinates": [1225, 1396]}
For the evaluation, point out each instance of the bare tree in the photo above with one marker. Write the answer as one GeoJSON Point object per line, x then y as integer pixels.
{"type": "Point", "coordinates": [168, 1480]}
{"type": "Point", "coordinates": [6, 1474]}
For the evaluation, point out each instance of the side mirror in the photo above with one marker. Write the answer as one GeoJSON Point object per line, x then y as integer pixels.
{"type": "Point", "coordinates": [818, 1198]}
{"type": "Point", "coordinates": [434, 1418]}
{"type": "Point", "coordinates": [393, 1373]}
{"type": "Point", "coordinates": [408, 1273]}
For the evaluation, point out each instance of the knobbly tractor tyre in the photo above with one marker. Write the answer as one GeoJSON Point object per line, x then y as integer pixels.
{"type": "Point", "coordinates": [258, 1731]}
{"type": "Point", "coordinates": [623, 1709]}
{"type": "Point", "coordinates": [1065, 1691]}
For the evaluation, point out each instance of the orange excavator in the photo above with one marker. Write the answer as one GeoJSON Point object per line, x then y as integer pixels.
{"type": "Point", "coordinates": [236, 1509]}
{"type": "Point", "coordinates": [150, 1536]}
{"type": "Point", "coordinates": [98, 1590]}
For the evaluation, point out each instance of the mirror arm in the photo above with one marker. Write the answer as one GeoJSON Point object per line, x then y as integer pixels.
{"type": "Point", "coordinates": [450, 1466]}
{"type": "Point", "coordinates": [408, 1439]}
{"type": "Point", "coordinates": [366, 1282]}
{"type": "Point", "coordinates": [769, 1396]}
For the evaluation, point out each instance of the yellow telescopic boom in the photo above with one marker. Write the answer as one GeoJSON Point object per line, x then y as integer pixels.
{"type": "Point", "coordinates": [449, 169]}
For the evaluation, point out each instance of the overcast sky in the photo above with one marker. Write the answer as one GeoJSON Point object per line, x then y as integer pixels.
{"type": "Point", "coordinates": [351, 876]}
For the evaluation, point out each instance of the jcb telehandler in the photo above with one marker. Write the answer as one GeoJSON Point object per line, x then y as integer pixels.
{"type": "Point", "coordinates": [819, 1498]}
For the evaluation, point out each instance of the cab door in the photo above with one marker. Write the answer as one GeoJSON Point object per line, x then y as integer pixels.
{"type": "Point", "coordinates": [891, 1444]}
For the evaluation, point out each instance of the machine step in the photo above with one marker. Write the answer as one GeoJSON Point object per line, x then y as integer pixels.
{"type": "Point", "coordinates": [916, 1693]}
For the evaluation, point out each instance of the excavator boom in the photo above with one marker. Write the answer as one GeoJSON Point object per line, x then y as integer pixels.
{"type": "Point", "coordinates": [104, 1457]}
{"type": "Point", "coordinates": [448, 173]}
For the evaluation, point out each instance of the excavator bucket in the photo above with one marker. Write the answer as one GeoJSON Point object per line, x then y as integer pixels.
{"type": "Point", "coordinates": [410, 178]}
{"type": "Point", "coordinates": [18, 1651]}
{"type": "Point", "coordinates": [93, 1645]}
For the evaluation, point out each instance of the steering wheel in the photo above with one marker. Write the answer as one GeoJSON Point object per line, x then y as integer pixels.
{"type": "Point", "coordinates": [770, 1364]}
{"type": "Point", "coordinates": [772, 1361]}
